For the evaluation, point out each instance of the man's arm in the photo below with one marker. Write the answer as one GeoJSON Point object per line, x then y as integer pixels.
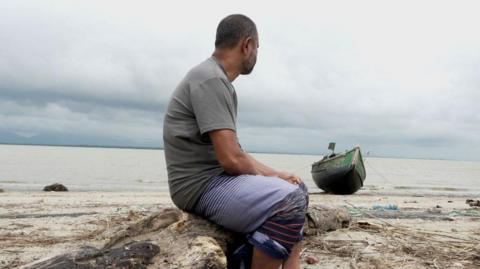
{"type": "Point", "coordinates": [231, 157]}
{"type": "Point", "coordinates": [270, 172]}
{"type": "Point", "coordinates": [235, 161]}
{"type": "Point", "coordinates": [263, 169]}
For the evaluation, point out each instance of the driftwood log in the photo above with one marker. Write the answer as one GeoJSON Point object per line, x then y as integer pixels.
{"type": "Point", "coordinates": [171, 238]}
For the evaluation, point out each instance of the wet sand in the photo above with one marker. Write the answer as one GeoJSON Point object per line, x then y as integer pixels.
{"type": "Point", "coordinates": [440, 231]}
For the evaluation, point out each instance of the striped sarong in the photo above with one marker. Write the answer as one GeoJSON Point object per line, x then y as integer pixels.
{"type": "Point", "coordinates": [268, 210]}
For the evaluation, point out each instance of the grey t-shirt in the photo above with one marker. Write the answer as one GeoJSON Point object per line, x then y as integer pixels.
{"type": "Point", "coordinates": [205, 100]}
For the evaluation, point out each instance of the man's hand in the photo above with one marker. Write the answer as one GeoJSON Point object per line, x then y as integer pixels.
{"type": "Point", "coordinates": [289, 177]}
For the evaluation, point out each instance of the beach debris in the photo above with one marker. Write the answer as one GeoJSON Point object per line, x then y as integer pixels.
{"type": "Point", "coordinates": [473, 203]}
{"type": "Point", "coordinates": [55, 187]}
{"type": "Point", "coordinates": [321, 219]}
{"type": "Point", "coordinates": [155, 222]}
{"type": "Point", "coordinates": [434, 210]}
{"type": "Point", "coordinates": [185, 241]}
{"type": "Point", "coordinates": [34, 215]}
{"type": "Point", "coordinates": [1, 190]}
{"type": "Point", "coordinates": [132, 255]}
{"type": "Point", "coordinates": [436, 249]}
{"type": "Point", "coordinates": [310, 259]}
{"type": "Point", "coordinates": [385, 207]}
{"type": "Point", "coordinates": [365, 225]}
{"type": "Point", "coordinates": [469, 212]}
{"type": "Point", "coordinates": [476, 258]}
{"type": "Point", "coordinates": [430, 214]}
{"type": "Point", "coordinates": [353, 211]}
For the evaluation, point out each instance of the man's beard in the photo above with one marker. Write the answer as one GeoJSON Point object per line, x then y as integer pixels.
{"type": "Point", "coordinates": [248, 65]}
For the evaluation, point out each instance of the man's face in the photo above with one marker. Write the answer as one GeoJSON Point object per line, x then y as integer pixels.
{"type": "Point", "coordinates": [251, 60]}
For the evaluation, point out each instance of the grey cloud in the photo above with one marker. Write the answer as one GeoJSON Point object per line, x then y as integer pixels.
{"type": "Point", "coordinates": [324, 73]}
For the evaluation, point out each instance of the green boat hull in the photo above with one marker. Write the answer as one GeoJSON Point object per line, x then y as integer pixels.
{"type": "Point", "coordinates": [340, 174]}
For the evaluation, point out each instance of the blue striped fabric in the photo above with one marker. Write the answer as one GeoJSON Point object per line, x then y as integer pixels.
{"type": "Point", "coordinates": [284, 229]}
{"type": "Point", "coordinates": [269, 209]}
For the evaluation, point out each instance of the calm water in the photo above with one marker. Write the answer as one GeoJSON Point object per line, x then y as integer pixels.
{"type": "Point", "coordinates": [103, 169]}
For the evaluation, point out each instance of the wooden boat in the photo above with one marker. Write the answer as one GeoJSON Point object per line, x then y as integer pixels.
{"type": "Point", "coordinates": [340, 173]}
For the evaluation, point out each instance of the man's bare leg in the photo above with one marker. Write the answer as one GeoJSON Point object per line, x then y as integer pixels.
{"type": "Point", "coordinates": [261, 260]}
{"type": "Point", "coordinates": [293, 261]}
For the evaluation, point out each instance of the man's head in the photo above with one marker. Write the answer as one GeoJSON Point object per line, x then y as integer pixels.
{"type": "Point", "coordinates": [238, 34]}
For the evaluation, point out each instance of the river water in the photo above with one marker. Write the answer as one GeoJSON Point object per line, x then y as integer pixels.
{"type": "Point", "coordinates": [29, 168]}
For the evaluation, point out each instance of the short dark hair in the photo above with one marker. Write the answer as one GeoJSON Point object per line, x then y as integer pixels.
{"type": "Point", "coordinates": [232, 29]}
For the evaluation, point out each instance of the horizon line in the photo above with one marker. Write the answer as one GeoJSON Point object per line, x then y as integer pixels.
{"type": "Point", "coordinates": [259, 152]}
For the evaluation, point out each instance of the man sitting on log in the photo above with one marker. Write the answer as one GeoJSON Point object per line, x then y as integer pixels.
{"type": "Point", "coordinates": [209, 173]}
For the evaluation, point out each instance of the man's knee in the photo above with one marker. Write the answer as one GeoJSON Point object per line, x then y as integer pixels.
{"type": "Point", "coordinates": [294, 204]}
{"type": "Point", "coordinates": [299, 198]}
{"type": "Point", "coordinates": [304, 189]}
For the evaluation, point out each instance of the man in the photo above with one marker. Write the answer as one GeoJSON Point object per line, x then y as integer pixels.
{"type": "Point", "coordinates": [210, 175]}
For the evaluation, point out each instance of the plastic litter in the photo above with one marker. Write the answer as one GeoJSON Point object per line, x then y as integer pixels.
{"type": "Point", "coordinates": [385, 207]}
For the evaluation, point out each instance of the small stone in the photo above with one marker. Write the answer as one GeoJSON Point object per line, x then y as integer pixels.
{"type": "Point", "coordinates": [473, 203]}
{"type": "Point", "coordinates": [434, 210]}
{"type": "Point", "coordinates": [55, 187]}
{"type": "Point", "coordinates": [1, 190]}
{"type": "Point", "coordinates": [311, 259]}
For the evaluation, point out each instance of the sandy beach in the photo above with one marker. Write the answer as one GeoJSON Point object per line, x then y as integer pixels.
{"type": "Point", "coordinates": [440, 231]}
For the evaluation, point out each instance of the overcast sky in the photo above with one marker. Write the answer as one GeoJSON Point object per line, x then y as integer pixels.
{"type": "Point", "coordinates": [398, 78]}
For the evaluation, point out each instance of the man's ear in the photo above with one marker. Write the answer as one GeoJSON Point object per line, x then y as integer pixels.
{"type": "Point", "coordinates": [247, 44]}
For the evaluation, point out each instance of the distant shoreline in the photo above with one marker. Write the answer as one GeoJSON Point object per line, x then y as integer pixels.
{"type": "Point", "coordinates": [259, 152]}
{"type": "Point", "coordinates": [83, 146]}
{"type": "Point", "coordinates": [139, 147]}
